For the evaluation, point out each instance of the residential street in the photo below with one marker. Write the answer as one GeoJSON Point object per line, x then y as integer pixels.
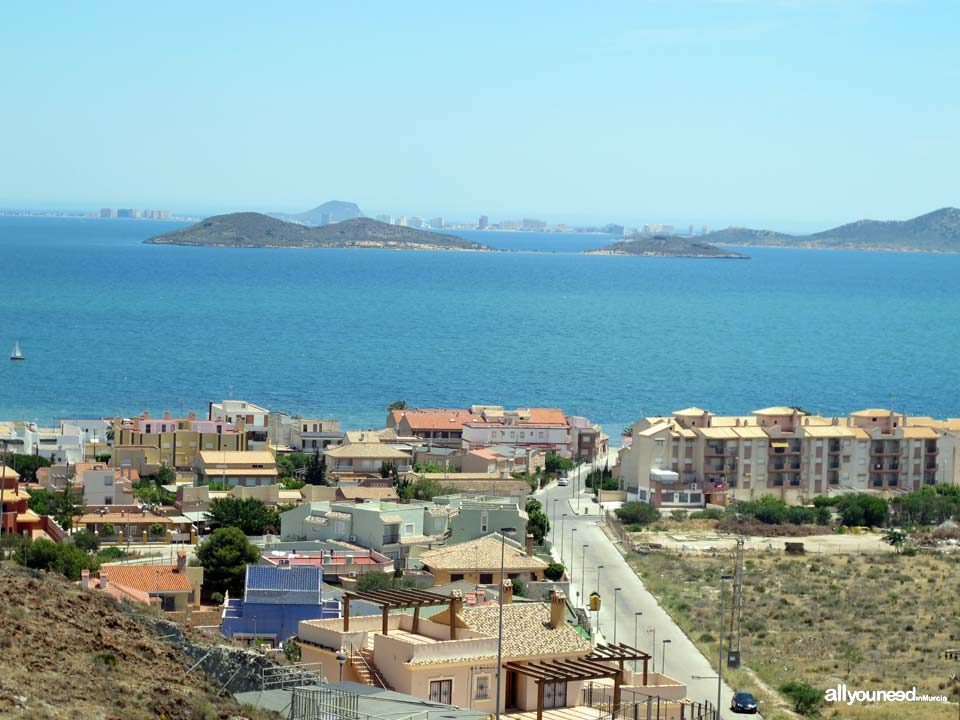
{"type": "Point", "coordinates": [683, 659]}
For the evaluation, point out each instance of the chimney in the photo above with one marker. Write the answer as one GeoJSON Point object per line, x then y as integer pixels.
{"type": "Point", "coordinates": [181, 562]}
{"type": "Point", "coordinates": [558, 608]}
{"type": "Point", "coordinates": [530, 544]}
{"type": "Point", "coordinates": [104, 579]}
{"type": "Point", "coordinates": [146, 415]}
{"type": "Point", "coordinates": [506, 588]}
{"type": "Point", "coordinates": [481, 593]}
{"type": "Point", "coordinates": [456, 608]}
{"type": "Point", "coordinates": [166, 414]}
{"type": "Point", "coordinates": [191, 415]}
{"type": "Point", "coordinates": [84, 579]}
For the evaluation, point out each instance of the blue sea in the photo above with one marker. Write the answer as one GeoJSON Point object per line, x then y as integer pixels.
{"type": "Point", "coordinates": [112, 326]}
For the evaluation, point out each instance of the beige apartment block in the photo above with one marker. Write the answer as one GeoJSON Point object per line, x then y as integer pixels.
{"type": "Point", "coordinates": [694, 457]}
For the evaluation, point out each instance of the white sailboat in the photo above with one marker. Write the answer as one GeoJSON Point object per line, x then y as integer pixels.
{"type": "Point", "coordinates": [16, 355]}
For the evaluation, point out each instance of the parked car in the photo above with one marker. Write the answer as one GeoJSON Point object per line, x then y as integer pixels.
{"type": "Point", "coordinates": [743, 702]}
{"type": "Point", "coordinates": [563, 482]}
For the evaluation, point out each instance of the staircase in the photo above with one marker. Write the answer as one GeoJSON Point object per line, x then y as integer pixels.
{"type": "Point", "coordinates": [362, 663]}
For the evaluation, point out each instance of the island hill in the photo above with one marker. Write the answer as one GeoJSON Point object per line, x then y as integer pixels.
{"type": "Point", "coordinates": [665, 246]}
{"type": "Point", "coordinates": [935, 232]}
{"type": "Point", "coordinates": [255, 230]}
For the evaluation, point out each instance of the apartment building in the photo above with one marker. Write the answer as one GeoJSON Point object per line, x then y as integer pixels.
{"type": "Point", "coordinates": [316, 435]}
{"type": "Point", "coordinates": [178, 440]}
{"type": "Point", "coordinates": [695, 457]}
{"type": "Point", "coordinates": [62, 445]}
{"type": "Point", "coordinates": [544, 428]}
{"type": "Point", "coordinates": [255, 420]}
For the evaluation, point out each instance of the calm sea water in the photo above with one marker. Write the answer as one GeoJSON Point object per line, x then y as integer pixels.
{"type": "Point", "coordinates": [112, 326]}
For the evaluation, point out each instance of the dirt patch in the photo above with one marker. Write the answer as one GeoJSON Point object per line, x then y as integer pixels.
{"type": "Point", "coordinates": [68, 654]}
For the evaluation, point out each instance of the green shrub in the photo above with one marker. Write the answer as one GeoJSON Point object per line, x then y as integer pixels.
{"type": "Point", "coordinates": [86, 541]}
{"type": "Point", "coordinates": [638, 513]}
{"type": "Point", "coordinates": [156, 529]}
{"type": "Point", "coordinates": [108, 529]}
{"type": "Point", "coordinates": [554, 571]}
{"type": "Point", "coordinates": [807, 700]}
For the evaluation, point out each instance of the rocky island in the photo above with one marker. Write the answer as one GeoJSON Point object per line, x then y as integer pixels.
{"type": "Point", "coordinates": [935, 232]}
{"type": "Point", "coordinates": [255, 230]}
{"type": "Point", "coordinates": [665, 246]}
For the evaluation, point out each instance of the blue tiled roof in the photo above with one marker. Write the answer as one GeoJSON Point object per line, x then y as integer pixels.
{"type": "Point", "coordinates": [288, 585]}
{"type": "Point", "coordinates": [272, 619]}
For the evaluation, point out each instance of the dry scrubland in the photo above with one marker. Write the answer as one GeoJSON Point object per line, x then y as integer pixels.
{"type": "Point", "coordinates": [878, 621]}
{"type": "Point", "coordinates": [66, 654]}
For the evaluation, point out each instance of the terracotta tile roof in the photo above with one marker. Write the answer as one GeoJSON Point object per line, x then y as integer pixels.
{"type": "Point", "coordinates": [437, 419]}
{"type": "Point", "coordinates": [526, 630]}
{"type": "Point", "coordinates": [480, 554]}
{"type": "Point", "coordinates": [145, 578]}
{"type": "Point", "coordinates": [545, 416]}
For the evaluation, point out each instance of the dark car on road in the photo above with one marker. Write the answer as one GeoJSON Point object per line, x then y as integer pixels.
{"type": "Point", "coordinates": [743, 702]}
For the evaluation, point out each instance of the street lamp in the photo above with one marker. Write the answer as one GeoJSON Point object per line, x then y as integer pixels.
{"type": "Point", "coordinates": [723, 579]}
{"type": "Point", "coordinates": [663, 658]}
{"type": "Point", "coordinates": [615, 591]}
{"type": "Point", "coordinates": [503, 544]}
{"type": "Point", "coordinates": [653, 645]}
{"type": "Point", "coordinates": [599, 568]}
{"type": "Point", "coordinates": [553, 527]}
{"type": "Point", "coordinates": [341, 659]}
{"type": "Point", "coordinates": [583, 571]}
{"type": "Point", "coordinates": [572, 556]}
{"type": "Point", "coordinates": [636, 622]}
{"type": "Point", "coordinates": [561, 537]}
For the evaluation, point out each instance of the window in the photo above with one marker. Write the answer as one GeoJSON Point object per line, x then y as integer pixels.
{"type": "Point", "coordinates": [482, 685]}
{"type": "Point", "coordinates": [441, 691]}
{"type": "Point", "coordinates": [454, 577]}
{"type": "Point", "coordinates": [484, 521]}
{"type": "Point", "coordinates": [486, 578]}
{"type": "Point", "coordinates": [408, 529]}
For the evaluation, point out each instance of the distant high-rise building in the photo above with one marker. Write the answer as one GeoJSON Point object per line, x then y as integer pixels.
{"type": "Point", "coordinates": [658, 229]}
{"type": "Point", "coordinates": [532, 224]}
{"type": "Point", "coordinates": [703, 230]}
{"type": "Point", "coordinates": [690, 232]}
{"type": "Point", "coordinates": [436, 222]}
{"type": "Point", "coordinates": [483, 223]}
{"type": "Point", "coordinates": [324, 218]}
{"type": "Point", "coordinates": [108, 213]}
{"type": "Point", "coordinates": [613, 229]}
{"type": "Point", "coordinates": [128, 213]}
{"type": "Point", "coordinates": [415, 222]}
{"type": "Point", "coordinates": [388, 219]}
{"type": "Point", "coordinates": [402, 221]}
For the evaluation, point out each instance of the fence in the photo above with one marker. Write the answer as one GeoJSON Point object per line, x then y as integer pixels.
{"type": "Point", "coordinates": [289, 676]}
{"type": "Point", "coordinates": [636, 705]}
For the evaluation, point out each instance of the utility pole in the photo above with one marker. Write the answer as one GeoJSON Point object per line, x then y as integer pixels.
{"type": "Point", "coordinates": [736, 612]}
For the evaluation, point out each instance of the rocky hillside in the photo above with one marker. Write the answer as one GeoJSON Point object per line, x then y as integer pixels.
{"type": "Point", "coordinates": [665, 246]}
{"type": "Point", "coordinates": [938, 231]}
{"type": "Point", "coordinates": [71, 654]}
{"type": "Point", "coordinates": [254, 230]}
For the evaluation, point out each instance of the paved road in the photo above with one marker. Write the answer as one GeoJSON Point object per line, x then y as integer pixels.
{"type": "Point", "coordinates": [683, 659]}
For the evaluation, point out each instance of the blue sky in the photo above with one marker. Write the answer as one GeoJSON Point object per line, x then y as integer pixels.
{"type": "Point", "coordinates": [789, 114]}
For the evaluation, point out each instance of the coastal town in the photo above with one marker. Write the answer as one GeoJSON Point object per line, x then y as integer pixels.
{"type": "Point", "coordinates": [469, 557]}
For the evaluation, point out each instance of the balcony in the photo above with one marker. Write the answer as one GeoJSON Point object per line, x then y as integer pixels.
{"type": "Point", "coordinates": [391, 538]}
{"type": "Point", "coordinates": [711, 450]}
{"type": "Point", "coordinates": [833, 465]}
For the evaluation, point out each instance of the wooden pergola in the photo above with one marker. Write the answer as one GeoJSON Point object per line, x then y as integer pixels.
{"type": "Point", "coordinates": [567, 670]}
{"type": "Point", "coordinates": [389, 600]}
{"type": "Point", "coordinates": [619, 653]}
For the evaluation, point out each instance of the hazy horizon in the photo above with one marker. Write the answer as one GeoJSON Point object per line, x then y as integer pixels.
{"type": "Point", "coordinates": [792, 116]}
